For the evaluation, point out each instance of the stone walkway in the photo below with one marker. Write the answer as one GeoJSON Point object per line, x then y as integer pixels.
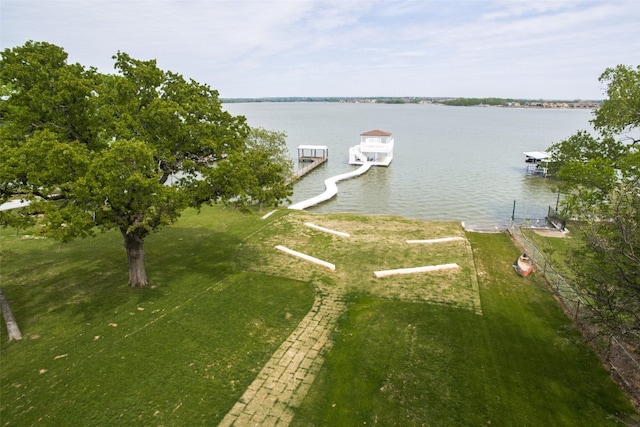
{"type": "Point", "coordinates": [285, 380]}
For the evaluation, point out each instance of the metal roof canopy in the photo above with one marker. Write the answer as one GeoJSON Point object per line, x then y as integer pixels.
{"type": "Point", "coordinates": [537, 155]}
{"type": "Point", "coordinates": [312, 147]}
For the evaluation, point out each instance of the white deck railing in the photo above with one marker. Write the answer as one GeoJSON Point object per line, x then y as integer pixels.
{"type": "Point", "coordinates": [376, 148]}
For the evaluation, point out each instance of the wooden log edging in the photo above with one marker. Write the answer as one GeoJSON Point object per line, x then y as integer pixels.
{"type": "Point", "coordinates": [268, 214]}
{"type": "Point", "coordinates": [327, 230]}
{"type": "Point", "coordinates": [9, 318]}
{"type": "Point", "coordinates": [306, 257]}
{"type": "Point", "coordinates": [412, 270]}
{"type": "Point", "coordinates": [440, 240]}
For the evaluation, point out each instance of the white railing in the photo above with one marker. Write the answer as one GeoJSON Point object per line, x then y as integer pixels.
{"type": "Point", "coordinates": [379, 148]}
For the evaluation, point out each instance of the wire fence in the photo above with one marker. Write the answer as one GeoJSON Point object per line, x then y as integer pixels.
{"type": "Point", "coordinates": [623, 365]}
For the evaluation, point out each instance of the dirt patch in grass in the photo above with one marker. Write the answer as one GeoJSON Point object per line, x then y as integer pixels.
{"type": "Point", "coordinates": [548, 232]}
{"type": "Point", "coordinates": [375, 243]}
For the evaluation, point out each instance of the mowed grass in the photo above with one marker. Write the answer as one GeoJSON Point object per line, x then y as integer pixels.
{"type": "Point", "coordinates": [99, 353]}
{"type": "Point", "coordinates": [478, 346]}
{"type": "Point", "coordinates": [520, 363]}
{"type": "Point", "coordinates": [375, 243]}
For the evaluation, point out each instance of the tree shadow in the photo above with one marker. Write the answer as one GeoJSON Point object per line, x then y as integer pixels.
{"type": "Point", "coordinates": [88, 278]}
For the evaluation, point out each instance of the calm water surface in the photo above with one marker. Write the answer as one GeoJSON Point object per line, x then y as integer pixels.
{"type": "Point", "coordinates": [450, 163]}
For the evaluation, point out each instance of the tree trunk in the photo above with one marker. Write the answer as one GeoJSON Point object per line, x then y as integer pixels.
{"type": "Point", "coordinates": [9, 319]}
{"type": "Point", "coordinates": [135, 255]}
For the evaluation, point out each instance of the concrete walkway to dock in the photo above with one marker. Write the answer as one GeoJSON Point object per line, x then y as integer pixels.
{"type": "Point", "coordinates": [284, 381]}
{"type": "Point", "coordinates": [331, 189]}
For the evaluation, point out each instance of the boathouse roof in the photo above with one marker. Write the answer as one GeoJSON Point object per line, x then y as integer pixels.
{"type": "Point", "coordinates": [537, 155]}
{"type": "Point", "coordinates": [376, 132]}
{"type": "Point", "coordinates": [312, 147]}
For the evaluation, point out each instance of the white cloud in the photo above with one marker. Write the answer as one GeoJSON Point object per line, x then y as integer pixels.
{"type": "Point", "coordinates": [511, 48]}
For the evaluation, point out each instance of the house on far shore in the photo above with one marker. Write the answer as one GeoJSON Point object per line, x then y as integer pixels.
{"type": "Point", "coordinates": [376, 147]}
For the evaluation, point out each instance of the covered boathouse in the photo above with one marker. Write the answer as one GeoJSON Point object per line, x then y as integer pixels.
{"type": "Point", "coordinates": [537, 162]}
{"type": "Point", "coordinates": [376, 147]}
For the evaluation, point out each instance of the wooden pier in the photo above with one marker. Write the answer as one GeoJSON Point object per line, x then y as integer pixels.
{"type": "Point", "coordinates": [313, 155]}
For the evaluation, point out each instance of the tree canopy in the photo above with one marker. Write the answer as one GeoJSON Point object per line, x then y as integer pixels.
{"type": "Point", "coordinates": [263, 169]}
{"type": "Point", "coordinates": [600, 175]}
{"type": "Point", "coordinates": [128, 151]}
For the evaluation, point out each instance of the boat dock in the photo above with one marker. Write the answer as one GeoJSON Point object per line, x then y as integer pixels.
{"type": "Point", "coordinates": [537, 162]}
{"type": "Point", "coordinates": [375, 149]}
{"type": "Point", "coordinates": [313, 155]}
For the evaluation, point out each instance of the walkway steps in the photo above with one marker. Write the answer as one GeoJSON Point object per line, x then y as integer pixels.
{"type": "Point", "coordinates": [284, 381]}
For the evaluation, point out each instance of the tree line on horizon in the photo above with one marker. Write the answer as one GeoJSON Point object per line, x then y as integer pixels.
{"type": "Point", "coordinates": [453, 101]}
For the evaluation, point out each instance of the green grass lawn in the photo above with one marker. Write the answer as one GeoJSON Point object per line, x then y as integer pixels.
{"type": "Point", "coordinates": [480, 346]}
{"type": "Point", "coordinates": [556, 250]}
{"type": "Point", "coordinates": [99, 353]}
{"type": "Point", "coordinates": [519, 363]}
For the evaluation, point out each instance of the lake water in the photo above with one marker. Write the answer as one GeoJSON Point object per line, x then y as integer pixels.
{"type": "Point", "coordinates": [450, 163]}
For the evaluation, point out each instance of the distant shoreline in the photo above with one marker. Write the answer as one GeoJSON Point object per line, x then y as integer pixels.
{"type": "Point", "coordinates": [456, 102]}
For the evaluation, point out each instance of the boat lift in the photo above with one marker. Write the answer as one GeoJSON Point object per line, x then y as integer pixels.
{"type": "Point", "coordinates": [537, 162]}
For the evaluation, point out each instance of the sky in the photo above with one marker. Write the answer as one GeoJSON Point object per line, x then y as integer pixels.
{"type": "Point", "coordinates": [525, 49]}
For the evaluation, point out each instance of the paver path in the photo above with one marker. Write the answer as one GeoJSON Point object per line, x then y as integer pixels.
{"type": "Point", "coordinates": [287, 377]}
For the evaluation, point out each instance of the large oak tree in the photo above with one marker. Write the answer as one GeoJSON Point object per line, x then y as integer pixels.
{"type": "Point", "coordinates": [263, 169]}
{"type": "Point", "coordinates": [601, 179]}
{"type": "Point", "coordinates": [129, 150]}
